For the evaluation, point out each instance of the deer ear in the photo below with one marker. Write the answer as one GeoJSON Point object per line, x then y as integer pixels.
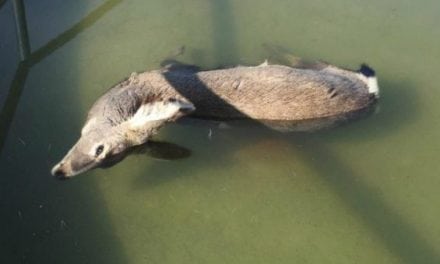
{"type": "Point", "coordinates": [163, 110]}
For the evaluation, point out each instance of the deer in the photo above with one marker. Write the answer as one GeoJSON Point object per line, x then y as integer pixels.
{"type": "Point", "coordinates": [301, 97]}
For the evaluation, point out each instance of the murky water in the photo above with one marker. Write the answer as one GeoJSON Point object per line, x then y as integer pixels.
{"type": "Point", "coordinates": [366, 192]}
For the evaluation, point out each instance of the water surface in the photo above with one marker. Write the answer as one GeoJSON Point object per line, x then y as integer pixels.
{"type": "Point", "coordinates": [366, 192]}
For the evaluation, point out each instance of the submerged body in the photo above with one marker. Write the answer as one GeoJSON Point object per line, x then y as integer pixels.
{"type": "Point", "coordinates": [133, 110]}
{"type": "Point", "coordinates": [269, 92]}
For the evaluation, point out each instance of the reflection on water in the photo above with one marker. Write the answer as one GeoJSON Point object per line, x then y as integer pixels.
{"type": "Point", "coordinates": [364, 192]}
{"type": "Point", "coordinates": [154, 149]}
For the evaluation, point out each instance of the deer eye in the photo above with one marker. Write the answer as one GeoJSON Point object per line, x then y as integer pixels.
{"type": "Point", "coordinates": [99, 150]}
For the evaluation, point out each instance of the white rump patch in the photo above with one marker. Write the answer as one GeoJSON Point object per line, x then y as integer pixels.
{"type": "Point", "coordinates": [371, 82]}
{"type": "Point", "coordinates": [373, 87]}
{"type": "Point", "coordinates": [160, 110]}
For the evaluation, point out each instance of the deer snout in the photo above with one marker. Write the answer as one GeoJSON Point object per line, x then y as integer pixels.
{"type": "Point", "coordinates": [60, 171]}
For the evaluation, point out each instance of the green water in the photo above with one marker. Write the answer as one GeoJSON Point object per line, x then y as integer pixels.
{"type": "Point", "coordinates": [367, 192]}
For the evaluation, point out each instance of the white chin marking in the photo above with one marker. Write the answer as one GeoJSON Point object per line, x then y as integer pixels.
{"type": "Point", "coordinates": [373, 87]}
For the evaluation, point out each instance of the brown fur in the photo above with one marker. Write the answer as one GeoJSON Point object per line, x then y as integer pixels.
{"type": "Point", "coordinates": [270, 92]}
